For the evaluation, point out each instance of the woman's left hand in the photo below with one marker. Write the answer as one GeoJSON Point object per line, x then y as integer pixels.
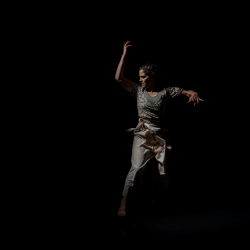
{"type": "Point", "coordinates": [193, 97]}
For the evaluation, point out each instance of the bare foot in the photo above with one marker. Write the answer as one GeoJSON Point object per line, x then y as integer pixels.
{"type": "Point", "coordinates": [122, 211]}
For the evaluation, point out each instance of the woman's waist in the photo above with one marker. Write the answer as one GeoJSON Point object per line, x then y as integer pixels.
{"type": "Point", "coordinates": [153, 120]}
{"type": "Point", "coordinates": [155, 126]}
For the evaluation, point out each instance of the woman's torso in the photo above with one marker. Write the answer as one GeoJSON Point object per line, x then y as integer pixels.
{"type": "Point", "coordinates": [153, 107]}
{"type": "Point", "coordinates": [152, 97]}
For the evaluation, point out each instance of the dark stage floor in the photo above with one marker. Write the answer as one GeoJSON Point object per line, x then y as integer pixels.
{"type": "Point", "coordinates": [221, 228]}
{"type": "Point", "coordinates": [224, 227]}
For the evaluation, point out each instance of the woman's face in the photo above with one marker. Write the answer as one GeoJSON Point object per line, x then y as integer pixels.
{"type": "Point", "coordinates": [145, 80]}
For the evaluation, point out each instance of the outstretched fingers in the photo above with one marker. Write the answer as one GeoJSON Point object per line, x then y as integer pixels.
{"type": "Point", "coordinates": [127, 42]}
{"type": "Point", "coordinates": [195, 99]}
{"type": "Point", "coordinates": [126, 45]}
{"type": "Point", "coordinates": [191, 99]}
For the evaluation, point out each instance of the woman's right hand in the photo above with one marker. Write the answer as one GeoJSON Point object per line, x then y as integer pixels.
{"type": "Point", "coordinates": [125, 46]}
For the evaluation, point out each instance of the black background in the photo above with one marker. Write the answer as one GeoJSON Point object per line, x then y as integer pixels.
{"type": "Point", "coordinates": [79, 168]}
{"type": "Point", "coordinates": [207, 170]}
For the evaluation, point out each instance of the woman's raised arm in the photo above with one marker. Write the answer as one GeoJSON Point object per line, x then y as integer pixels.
{"type": "Point", "coordinates": [124, 82]}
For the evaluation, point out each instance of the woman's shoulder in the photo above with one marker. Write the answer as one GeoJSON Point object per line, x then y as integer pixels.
{"type": "Point", "coordinates": [164, 90]}
{"type": "Point", "coordinates": [136, 89]}
{"type": "Point", "coordinates": [170, 88]}
{"type": "Point", "coordinates": [172, 91]}
{"type": "Point", "coordinates": [137, 85]}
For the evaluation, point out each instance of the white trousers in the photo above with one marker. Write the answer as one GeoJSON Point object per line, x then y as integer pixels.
{"type": "Point", "coordinates": [150, 140]}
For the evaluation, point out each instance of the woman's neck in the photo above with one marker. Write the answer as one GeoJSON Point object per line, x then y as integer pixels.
{"type": "Point", "coordinates": [151, 88]}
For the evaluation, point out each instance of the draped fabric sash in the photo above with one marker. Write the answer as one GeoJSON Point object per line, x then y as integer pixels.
{"type": "Point", "coordinates": [153, 137]}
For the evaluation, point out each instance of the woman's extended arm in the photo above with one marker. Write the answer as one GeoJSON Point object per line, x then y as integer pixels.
{"type": "Point", "coordinates": [124, 82]}
{"type": "Point", "coordinates": [193, 96]}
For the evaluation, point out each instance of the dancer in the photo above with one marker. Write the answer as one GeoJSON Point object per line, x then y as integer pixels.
{"type": "Point", "coordinates": [150, 137]}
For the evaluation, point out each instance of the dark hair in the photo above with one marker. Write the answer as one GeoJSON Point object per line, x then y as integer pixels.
{"type": "Point", "coordinates": [150, 69]}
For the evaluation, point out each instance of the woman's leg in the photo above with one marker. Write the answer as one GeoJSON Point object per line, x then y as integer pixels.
{"type": "Point", "coordinates": [160, 178]}
{"type": "Point", "coordinates": [140, 156]}
{"type": "Point", "coordinates": [164, 178]}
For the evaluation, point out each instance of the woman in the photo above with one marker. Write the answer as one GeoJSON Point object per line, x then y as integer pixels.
{"type": "Point", "coordinates": [150, 138]}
